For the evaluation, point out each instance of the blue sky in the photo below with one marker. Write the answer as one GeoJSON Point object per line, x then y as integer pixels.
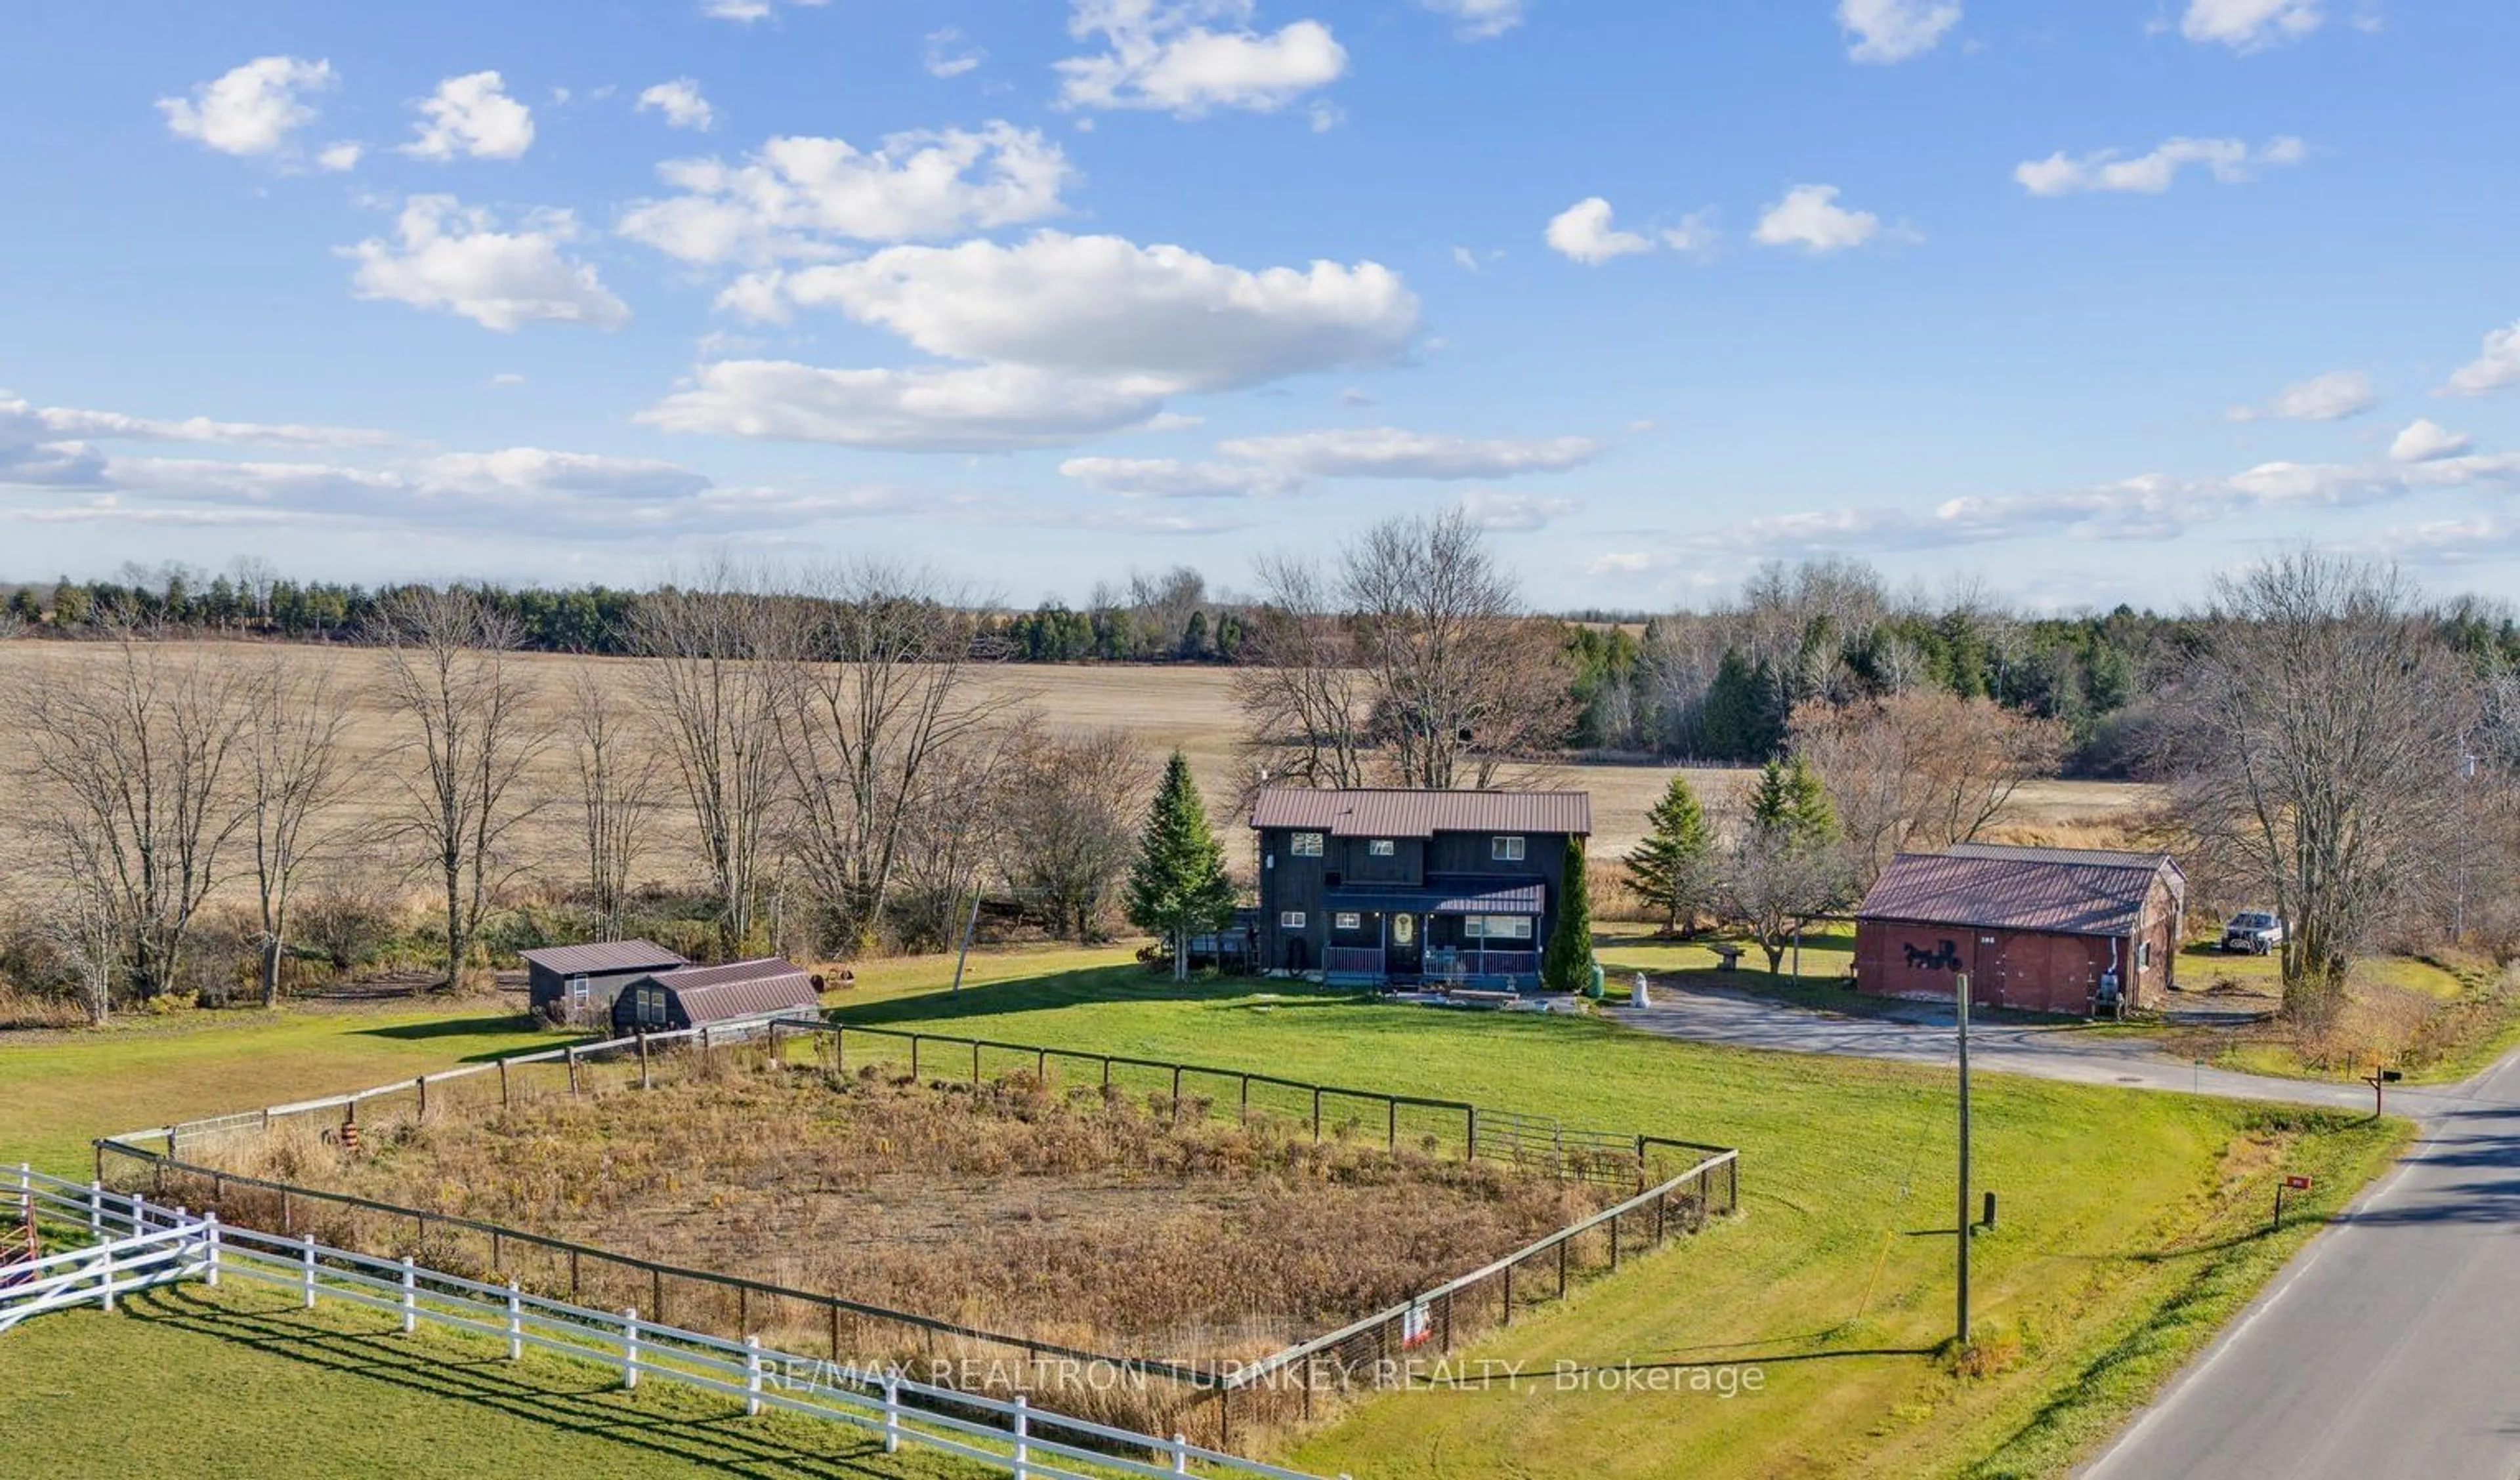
{"type": "Point", "coordinates": [2088, 301]}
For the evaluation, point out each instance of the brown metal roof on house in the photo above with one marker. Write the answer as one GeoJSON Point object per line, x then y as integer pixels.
{"type": "Point", "coordinates": [603, 956]}
{"type": "Point", "coordinates": [1392, 813]}
{"type": "Point", "coordinates": [739, 989]}
{"type": "Point", "coordinates": [2012, 893]}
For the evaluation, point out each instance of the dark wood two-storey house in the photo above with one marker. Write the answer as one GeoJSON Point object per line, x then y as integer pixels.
{"type": "Point", "coordinates": [1392, 888]}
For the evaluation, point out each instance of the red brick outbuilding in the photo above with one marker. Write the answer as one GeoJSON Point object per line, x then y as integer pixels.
{"type": "Point", "coordinates": [2047, 930]}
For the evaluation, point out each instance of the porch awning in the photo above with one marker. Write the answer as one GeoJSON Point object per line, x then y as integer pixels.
{"type": "Point", "coordinates": [1442, 896]}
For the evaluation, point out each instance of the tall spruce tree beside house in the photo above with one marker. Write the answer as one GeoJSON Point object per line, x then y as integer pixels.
{"type": "Point", "coordinates": [1567, 964]}
{"type": "Point", "coordinates": [1178, 886]}
{"type": "Point", "coordinates": [1673, 870]}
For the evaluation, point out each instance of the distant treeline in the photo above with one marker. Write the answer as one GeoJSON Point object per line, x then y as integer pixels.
{"type": "Point", "coordinates": [1717, 685]}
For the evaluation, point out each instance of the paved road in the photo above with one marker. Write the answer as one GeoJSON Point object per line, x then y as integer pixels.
{"type": "Point", "coordinates": [2389, 1346]}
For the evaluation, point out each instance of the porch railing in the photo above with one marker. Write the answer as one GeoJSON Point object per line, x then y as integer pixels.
{"type": "Point", "coordinates": [1347, 960]}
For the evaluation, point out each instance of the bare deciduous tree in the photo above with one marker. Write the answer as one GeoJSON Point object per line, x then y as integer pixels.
{"type": "Point", "coordinates": [2313, 749]}
{"type": "Point", "coordinates": [133, 788]}
{"type": "Point", "coordinates": [1305, 701]}
{"type": "Point", "coordinates": [293, 771]}
{"type": "Point", "coordinates": [1425, 672]}
{"type": "Point", "coordinates": [717, 658]}
{"type": "Point", "coordinates": [1072, 804]}
{"type": "Point", "coordinates": [1465, 682]}
{"type": "Point", "coordinates": [881, 690]}
{"type": "Point", "coordinates": [469, 741]}
{"type": "Point", "coordinates": [1919, 771]}
{"type": "Point", "coordinates": [618, 786]}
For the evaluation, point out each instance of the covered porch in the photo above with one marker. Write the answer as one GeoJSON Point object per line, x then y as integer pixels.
{"type": "Point", "coordinates": [1464, 932]}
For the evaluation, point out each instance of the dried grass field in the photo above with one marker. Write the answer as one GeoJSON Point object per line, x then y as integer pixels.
{"type": "Point", "coordinates": [1163, 708]}
{"type": "Point", "coordinates": [1078, 1215]}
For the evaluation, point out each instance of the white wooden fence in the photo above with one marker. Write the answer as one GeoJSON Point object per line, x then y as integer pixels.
{"type": "Point", "coordinates": [124, 1243]}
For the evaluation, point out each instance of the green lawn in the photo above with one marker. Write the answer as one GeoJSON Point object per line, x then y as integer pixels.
{"type": "Point", "coordinates": [241, 1384]}
{"type": "Point", "coordinates": [2131, 1226]}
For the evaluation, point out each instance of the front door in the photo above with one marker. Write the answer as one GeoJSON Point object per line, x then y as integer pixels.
{"type": "Point", "coordinates": [1408, 953]}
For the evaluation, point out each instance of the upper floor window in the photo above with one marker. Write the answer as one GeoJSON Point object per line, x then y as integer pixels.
{"type": "Point", "coordinates": [1305, 845]}
{"type": "Point", "coordinates": [1381, 847]}
{"type": "Point", "coordinates": [1290, 919]}
{"type": "Point", "coordinates": [1508, 850]}
{"type": "Point", "coordinates": [1347, 920]}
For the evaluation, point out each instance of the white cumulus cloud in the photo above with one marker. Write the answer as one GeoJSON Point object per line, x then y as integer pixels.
{"type": "Point", "coordinates": [1387, 452]}
{"type": "Point", "coordinates": [1894, 31]}
{"type": "Point", "coordinates": [1174, 479]}
{"type": "Point", "coordinates": [1810, 218]}
{"type": "Point", "coordinates": [2332, 397]}
{"type": "Point", "coordinates": [1486, 508]}
{"type": "Point", "coordinates": [1192, 57]}
{"type": "Point", "coordinates": [2425, 440]}
{"type": "Point", "coordinates": [21, 422]}
{"type": "Point", "coordinates": [447, 256]}
{"type": "Point", "coordinates": [2249, 24]}
{"type": "Point", "coordinates": [796, 197]}
{"type": "Point", "coordinates": [1582, 232]}
{"type": "Point", "coordinates": [682, 102]}
{"type": "Point", "coordinates": [948, 56]}
{"type": "Point", "coordinates": [1042, 342]}
{"type": "Point", "coordinates": [750, 11]}
{"type": "Point", "coordinates": [2497, 366]}
{"type": "Point", "coordinates": [251, 109]}
{"type": "Point", "coordinates": [1478, 20]}
{"type": "Point", "coordinates": [471, 116]}
{"type": "Point", "coordinates": [2229, 160]}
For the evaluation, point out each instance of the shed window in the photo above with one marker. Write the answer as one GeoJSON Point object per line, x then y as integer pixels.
{"type": "Point", "coordinates": [1305, 845]}
{"type": "Point", "coordinates": [1290, 919]}
{"type": "Point", "coordinates": [652, 1006]}
{"type": "Point", "coordinates": [1381, 847]}
{"type": "Point", "coordinates": [1348, 921]}
{"type": "Point", "coordinates": [2143, 956]}
{"type": "Point", "coordinates": [1508, 850]}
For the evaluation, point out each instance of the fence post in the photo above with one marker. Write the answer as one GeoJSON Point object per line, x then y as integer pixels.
{"type": "Point", "coordinates": [1393, 1137]}
{"type": "Point", "coordinates": [210, 1227]}
{"type": "Point", "coordinates": [410, 1297]}
{"type": "Point", "coordinates": [1023, 1433]}
{"type": "Point", "coordinates": [1181, 1455]}
{"type": "Point", "coordinates": [752, 1377]}
{"type": "Point", "coordinates": [422, 1082]}
{"type": "Point", "coordinates": [1470, 1144]}
{"type": "Point", "coordinates": [914, 1055]}
{"type": "Point", "coordinates": [1317, 1112]}
{"type": "Point", "coordinates": [572, 1068]}
{"type": "Point", "coordinates": [839, 1050]}
{"type": "Point", "coordinates": [503, 1084]}
{"type": "Point", "coordinates": [138, 1209]}
{"type": "Point", "coordinates": [306, 1266]}
{"type": "Point", "coordinates": [96, 1210]}
{"type": "Point", "coordinates": [975, 1063]}
{"type": "Point", "coordinates": [26, 1193]}
{"type": "Point", "coordinates": [892, 1409]}
{"type": "Point", "coordinates": [630, 1346]}
{"type": "Point", "coordinates": [515, 1323]}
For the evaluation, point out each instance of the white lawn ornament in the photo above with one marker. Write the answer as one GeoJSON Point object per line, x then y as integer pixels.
{"type": "Point", "coordinates": [1641, 999]}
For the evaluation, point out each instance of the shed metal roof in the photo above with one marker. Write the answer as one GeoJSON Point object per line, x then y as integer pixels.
{"type": "Point", "coordinates": [1394, 813]}
{"type": "Point", "coordinates": [1443, 895]}
{"type": "Point", "coordinates": [603, 956]}
{"type": "Point", "coordinates": [2102, 858]}
{"type": "Point", "coordinates": [2011, 893]}
{"type": "Point", "coordinates": [739, 989]}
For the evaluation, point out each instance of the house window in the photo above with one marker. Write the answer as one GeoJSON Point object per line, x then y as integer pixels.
{"type": "Point", "coordinates": [1505, 850]}
{"type": "Point", "coordinates": [1348, 921]}
{"type": "Point", "coordinates": [1306, 845]}
{"type": "Point", "coordinates": [1381, 847]}
{"type": "Point", "coordinates": [1290, 919]}
{"type": "Point", "coordinates": [1509, 927]}
{"type": "Point", "coordinates": [1473, 927]}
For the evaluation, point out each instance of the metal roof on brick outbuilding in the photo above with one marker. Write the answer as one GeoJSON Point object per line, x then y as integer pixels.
{"type": "Point", "coordinates": [2014, 892]}
{"type": "Point", "coordinates": [1393, 813]}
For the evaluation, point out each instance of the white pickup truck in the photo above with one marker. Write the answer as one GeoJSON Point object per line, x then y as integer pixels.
{"type": "Point", "coordinates": [2256, 931]}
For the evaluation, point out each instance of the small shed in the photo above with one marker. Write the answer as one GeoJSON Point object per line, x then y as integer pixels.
{"type": "Point", "coordinates": [576, 984]}
{"type": "Point", "coordinates": [693, 996]}
{"type": "Point", "coordinates": [2047, 930]}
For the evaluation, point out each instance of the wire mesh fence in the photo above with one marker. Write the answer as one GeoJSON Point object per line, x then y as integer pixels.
{"type": "Point", "coordinates": [1674, 1187]}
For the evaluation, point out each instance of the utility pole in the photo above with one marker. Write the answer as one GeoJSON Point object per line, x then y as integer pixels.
{"type": "Point", "coordinates": [969, 926]}
{"type": "Point", "coordinates": [1961, 1225]}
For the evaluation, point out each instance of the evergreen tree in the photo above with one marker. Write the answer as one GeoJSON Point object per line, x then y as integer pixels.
{"type": "Point", "coordinates": [1567, 964]}
{"type": "Point", "coordinates": [1740, 721]}
{"type": "Point", "coordinates": [1178, 886]}
{"type": "Point", "coordinates": [1789, 800]}
{"type": "Point", "coordinates": [1674, 869]}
